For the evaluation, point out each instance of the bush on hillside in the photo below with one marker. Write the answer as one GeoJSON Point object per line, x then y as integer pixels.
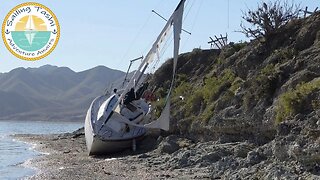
{"type": "Point", "coordinates": [295, 101]}
{"type": "Point", "coordinates": [269, 18]}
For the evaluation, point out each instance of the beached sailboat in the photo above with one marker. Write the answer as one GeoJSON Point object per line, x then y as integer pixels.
{"type": "Point", "coordinates": [114, 123]}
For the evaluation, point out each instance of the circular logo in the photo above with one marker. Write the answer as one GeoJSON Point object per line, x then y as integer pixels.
{"type": "Point", "coordinates": [30, 31]}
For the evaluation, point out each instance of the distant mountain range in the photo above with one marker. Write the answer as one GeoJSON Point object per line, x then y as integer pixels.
{"type": "Point", "coordinates": [53, 93]}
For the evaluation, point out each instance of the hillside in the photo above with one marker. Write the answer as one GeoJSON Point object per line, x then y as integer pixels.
{"type": "Point", "coordinates": [52, 93]}
{"type": "Point", "coordinates": [253, 108]}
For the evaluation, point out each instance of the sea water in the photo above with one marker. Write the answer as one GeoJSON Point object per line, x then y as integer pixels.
{"type": "Point", "coordinates": [14, 153]}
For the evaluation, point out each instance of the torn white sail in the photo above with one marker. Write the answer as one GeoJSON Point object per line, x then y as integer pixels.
{"type": "Point", "coordinates": [176, 21]}
{"type": "Point", "coordinates": [163, 122]}
{"type": "Point", "coordinates": [157, 44]}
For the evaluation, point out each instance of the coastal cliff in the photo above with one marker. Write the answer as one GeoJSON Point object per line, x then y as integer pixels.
{"type": "Point", "coordinates": [257, 104]}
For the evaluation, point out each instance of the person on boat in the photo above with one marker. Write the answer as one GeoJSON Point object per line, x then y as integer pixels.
{"type": "Point", "coordinates": [129, 97]}
{"type": "Point", "coordinates": [149, 96]}
{"type": "Point", "coordinates": [141, 90]}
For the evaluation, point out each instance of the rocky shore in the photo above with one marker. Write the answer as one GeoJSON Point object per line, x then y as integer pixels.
{"type": "Point", "coordinates": [294, 154]}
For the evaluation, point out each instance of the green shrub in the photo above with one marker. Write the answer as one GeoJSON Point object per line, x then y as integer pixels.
{"type": "Point", "coordinates": [181, 78]}
{"type": "Point", "coordinates": [316, 104]}
{"type": "Point", "coordinates": [264, 84]}
{"type": "Point", "coordinates": [195, 102]}
{"type": "Point", "coordinates": [225, 100]}
{"type": "Point", "coordinates": [238, 46]}
{"type": "Point", "coordinates": [213, 84]}
{"type": "Point", "coordinates": [210, 88]}
{"type": "Point", "coordinates": [207, 113]}
{"type": "Point", "coordinates": [227, 76]}
{"type": "Point", "coordinates": [161, 92]}
{"type": "Point", "coordinates": [293, 101]}
{"type": "Point", "coordinates": [158, 106]}
{"type": "Point", "coordinates": [183, 89]}
{"type": "Point", "coordinates": [285, 54]}
{"type": "Point", "coordinates": [220, 60]}
{"type": "Point", "coordinates": [268, 70]}
{"type": "Point", "coordinates": [236, 84]}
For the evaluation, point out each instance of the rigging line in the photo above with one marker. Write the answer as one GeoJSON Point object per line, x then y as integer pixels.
{"type": "Point", "coordinates": [170, 38]}
{"type": "Point", "coordinates": [135, 39]}
{"type": "Point", "coordinates": [151, 42]}
{"type": "Point", "coordinates": [184, 19]}
{"type": "Point", "coordinates": [164, 49]}
{"type": "Point", "coordinates": [168, 41]}
{"type": "Point", "coordinates": [186, 14]}
{"type": "Point", "coordinates": [193, 23]}
{"type": "Point", "coordinates": [166, 45]}
{"type": "Point", "coordinates": [155, 62]}
{"type": "Point", "coordinates": [159, 4]}
{"type": "Point", "coordinates": [228, 14]}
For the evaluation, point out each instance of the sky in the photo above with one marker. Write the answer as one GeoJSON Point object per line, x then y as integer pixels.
{"type": "Point", "coordinates": [112, 32]}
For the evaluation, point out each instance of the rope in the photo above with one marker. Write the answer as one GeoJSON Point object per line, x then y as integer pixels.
{"type": "Point", "coordinates": [194, 21]}
{"type": "Point", "coordinates": [170, 38]}
{"type": "Point", "coordinates": [135, 38]}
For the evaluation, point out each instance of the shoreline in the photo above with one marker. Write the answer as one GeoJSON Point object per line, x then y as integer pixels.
{"type": "Point", "coordinates": [64, 156]}
{"type": "Point", "coordinates": [32, 146]}
{"type": "Point", "coordinates": [158, 157]}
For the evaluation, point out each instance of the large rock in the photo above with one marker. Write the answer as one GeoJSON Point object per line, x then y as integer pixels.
{"type": "Point", "coordinates": [169, 145]}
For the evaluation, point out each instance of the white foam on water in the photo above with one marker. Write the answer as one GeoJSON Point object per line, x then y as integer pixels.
{"type": "Point", "coordinates": [28, 164]}
{"type": "Point", "coordinates": [33, 146]}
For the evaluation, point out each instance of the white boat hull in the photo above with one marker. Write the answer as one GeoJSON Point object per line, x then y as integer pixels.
{"type": "Point", "coordinates": [107, 140]}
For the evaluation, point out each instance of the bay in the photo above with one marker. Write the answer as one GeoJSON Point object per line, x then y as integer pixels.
{"type": "Point", "coordinates": [14, 153]}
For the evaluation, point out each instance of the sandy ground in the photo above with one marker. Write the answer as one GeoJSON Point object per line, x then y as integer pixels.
{"type": "Point", "coordinates": [67, 158]}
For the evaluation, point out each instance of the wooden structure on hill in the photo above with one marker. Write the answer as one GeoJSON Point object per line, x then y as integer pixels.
{"type": "Point", "coordinates": [218, 42]}
{"type": "Point", "coordinates": [306, 12]}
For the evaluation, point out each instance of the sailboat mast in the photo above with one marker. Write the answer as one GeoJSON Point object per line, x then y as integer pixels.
{"type": "Point", "coordinates": [141, 74]}
{"type": "Point", "coordinates": [149, 58]}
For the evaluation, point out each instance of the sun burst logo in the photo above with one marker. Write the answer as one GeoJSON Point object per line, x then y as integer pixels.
{"type": "Point", "coordinates": [30, 31]}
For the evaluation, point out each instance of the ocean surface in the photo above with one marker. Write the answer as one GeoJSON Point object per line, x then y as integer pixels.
{"type": "Point", "coordinates": [13, 154]}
